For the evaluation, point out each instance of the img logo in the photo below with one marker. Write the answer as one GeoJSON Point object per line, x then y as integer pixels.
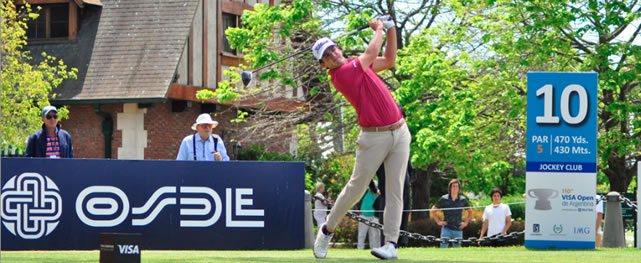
{"type": "Point", "coordinates": [31, 205]}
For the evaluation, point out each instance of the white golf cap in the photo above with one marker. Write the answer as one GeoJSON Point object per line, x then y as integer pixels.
{"type": "Point", "coordinates": [204, 118]}
{"type": "Point", "coordinates": [48, 109]}
{"type": "Point", "coordinates": [320, 46]}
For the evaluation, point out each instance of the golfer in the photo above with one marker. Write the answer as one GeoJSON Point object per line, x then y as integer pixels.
{"type": "Point", "coordinates": [384, 136]}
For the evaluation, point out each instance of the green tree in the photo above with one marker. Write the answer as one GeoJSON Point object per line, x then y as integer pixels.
{"type": "Point", "coordinates": [465, 88]}
{"type": "Point", "coordinates": [26, 87]}
{"type": "Point", "coordinates": [594, 35]}
{"type": "Point", "coordinates": [461, 78]}
{"type": "Point", "coordinates": [466, 114]}
{"type": "Point", "coordinates": [270, 33]}
{"type": "Point", "coordinates": [328, 114]}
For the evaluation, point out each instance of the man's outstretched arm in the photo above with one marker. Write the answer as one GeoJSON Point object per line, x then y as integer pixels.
{"type": "Point", "coordinates": [388, 60]}
{"type": "Point", "coordinates": [368, 58]}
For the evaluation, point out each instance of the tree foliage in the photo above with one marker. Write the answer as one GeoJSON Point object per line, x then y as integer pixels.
{"type": "Point", "coordinates": [270, 33]}
{"type": "Point", "coordinates": [460, 77]}
{"type": "Point", "coordinates": [466, 115]}
{"type": "Point", "coordinates": [26, 87]}
{"type": "Point", "coordinates": [599, 36]}
{"type": "Point", "coordinates": [465, 78]}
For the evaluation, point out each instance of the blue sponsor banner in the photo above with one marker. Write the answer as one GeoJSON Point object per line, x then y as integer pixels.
{"type": "Point", "coordinates": [561, 152]}
{"type": "Point", "coordinates": [62, 204]}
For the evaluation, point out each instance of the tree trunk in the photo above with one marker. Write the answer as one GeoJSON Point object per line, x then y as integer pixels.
{"type": "Point", "coordinates": [421, 184]}
{"type": "Point", "coordinates": [618, 173]}
{"type": "Point", "coordinates": [505, 182]}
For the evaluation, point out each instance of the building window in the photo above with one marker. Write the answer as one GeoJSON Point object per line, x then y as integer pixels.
{"type": "Point", "coordinates": [52, 23]}
{"type": "Point", "coordinates": [229, 20]}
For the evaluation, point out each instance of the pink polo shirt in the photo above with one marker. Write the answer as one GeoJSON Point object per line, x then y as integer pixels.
{"type": "Point", "coordinates": [367, 93]}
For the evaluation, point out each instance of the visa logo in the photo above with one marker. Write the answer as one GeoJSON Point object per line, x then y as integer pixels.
{"type": "Point", "coordinates": [128, 249]}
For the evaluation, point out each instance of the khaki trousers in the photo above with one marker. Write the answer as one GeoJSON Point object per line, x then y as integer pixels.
{"type": "Point", "coordinates": [391, 148]}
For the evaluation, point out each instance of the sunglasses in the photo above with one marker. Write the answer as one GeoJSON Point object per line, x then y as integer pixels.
{"type": "Point", "coordinates": [52, 116]}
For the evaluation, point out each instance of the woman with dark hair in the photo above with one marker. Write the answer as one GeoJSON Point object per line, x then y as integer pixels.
{"type": "Point", "coordinates": [452, 205]}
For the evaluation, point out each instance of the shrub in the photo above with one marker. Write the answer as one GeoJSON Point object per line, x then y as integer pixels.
{"type": "Point", "coordinates": [517, 206]}
{"type": "Point", "coordinates": [346, 231]}
{"type": "Point", "coordinates": [259, 152]}
{"type": "Point", "coordinates": [429, 227]}
{"type": "Point", "coordinates": [424, 227]}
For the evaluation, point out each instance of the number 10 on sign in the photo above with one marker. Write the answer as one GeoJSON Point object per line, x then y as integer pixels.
{"type": "Point", "coordinates": [547, 91]}
{"type": "Point", "coordinates": [561, 117]}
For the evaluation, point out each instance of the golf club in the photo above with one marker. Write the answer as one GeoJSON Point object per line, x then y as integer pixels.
{"type": "Point", "coordinates": [247, 76]}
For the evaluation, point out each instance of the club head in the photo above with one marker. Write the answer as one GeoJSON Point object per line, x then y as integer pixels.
{"type": "Point", "coordinates": [246, 76]}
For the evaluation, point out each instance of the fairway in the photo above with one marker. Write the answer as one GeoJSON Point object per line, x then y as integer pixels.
{"type": "Point", "coordinates": [472, 254]}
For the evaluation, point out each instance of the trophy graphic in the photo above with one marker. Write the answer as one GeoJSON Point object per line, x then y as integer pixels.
{"type": "Point", "coordinates": [543, 196]}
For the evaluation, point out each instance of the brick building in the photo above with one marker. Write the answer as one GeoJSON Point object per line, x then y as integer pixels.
{"type": "Point", "coordinates": [140, 64]}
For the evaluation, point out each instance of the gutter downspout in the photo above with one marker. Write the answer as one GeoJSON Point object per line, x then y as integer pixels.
{"type": "Point", "coordinates": [107, 129]}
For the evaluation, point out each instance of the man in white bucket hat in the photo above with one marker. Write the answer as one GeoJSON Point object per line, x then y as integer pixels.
{"type": "Point", "coordinates": [203, 145]}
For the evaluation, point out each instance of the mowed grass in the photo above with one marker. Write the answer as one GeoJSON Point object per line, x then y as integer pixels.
{"type": "Point", "coordinates": [470, 254]}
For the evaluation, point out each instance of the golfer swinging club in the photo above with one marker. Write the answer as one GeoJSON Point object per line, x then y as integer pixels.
{"type": "Point", "coordinates": [384, 136]}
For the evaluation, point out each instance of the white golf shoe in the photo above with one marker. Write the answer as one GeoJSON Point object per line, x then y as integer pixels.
{"type": "Point", "coordinates": [388, 251]}
{"type": "Point", "coordinates": [322, 243]}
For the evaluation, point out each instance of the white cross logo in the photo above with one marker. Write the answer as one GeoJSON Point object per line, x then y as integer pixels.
{"type": "Point", "coordinates": [31, 205]}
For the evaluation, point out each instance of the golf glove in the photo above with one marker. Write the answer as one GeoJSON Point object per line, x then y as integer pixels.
{"type": "Point", "coordinates": [384, 18]}
{"type": "Point", "coordinates": [388, 24]}
{"type": "Point", "coordinates": [387, 21]}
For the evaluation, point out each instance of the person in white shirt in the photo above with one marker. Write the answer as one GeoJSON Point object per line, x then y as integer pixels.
{"type": "Point", "coordinates": [203, 145]}
{"type": "Point", "coordinates": [497, 217]}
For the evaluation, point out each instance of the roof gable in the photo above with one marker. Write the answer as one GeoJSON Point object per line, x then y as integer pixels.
{"type": "Point", "coordinates": [135, 52]}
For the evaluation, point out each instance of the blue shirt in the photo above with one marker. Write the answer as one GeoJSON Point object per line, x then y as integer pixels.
{"type": "Point", "coordinates": [37, 143]}
{"type": "Point", "coordinates": [204, 148]}
{"type": "Point", "coordinates": [453, 217]}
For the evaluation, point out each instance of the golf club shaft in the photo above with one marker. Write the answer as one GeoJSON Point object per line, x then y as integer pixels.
{"type": "Point", "coordinates": [307, 49]}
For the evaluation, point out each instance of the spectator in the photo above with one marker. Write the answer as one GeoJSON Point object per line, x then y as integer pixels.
{"type": "Point", "coordinates": [320, 209]}
{"type": "Point", "coordinates": [51, 141]}
{"type": "Point", "coordinates": [453, 204]}
{"type": "Point", "coordinates": [497, 217]}
{"type": "Point", "coordinates": [367, 211]}
{"type": "Point", "coordinates": [203, 145]}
